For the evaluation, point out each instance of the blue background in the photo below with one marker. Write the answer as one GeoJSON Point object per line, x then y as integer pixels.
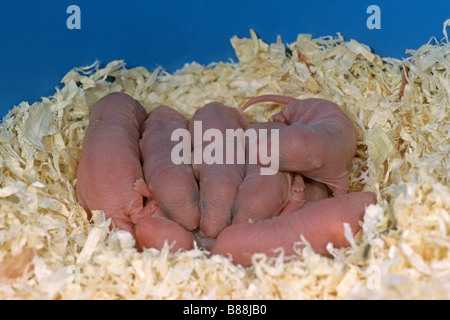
{"type": "Point", "coordinates": [37, 49]}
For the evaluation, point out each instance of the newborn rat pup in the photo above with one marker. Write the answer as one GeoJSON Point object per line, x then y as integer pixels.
{"type": "Point", "coordinates": [319, 140]}
{"type": "Point", "coordinates": [218, 182]}
{"type": "Point", "coordinates": [261, 196]}
{"type": "Point", "coordinates": [173, 186]}
{"type": "Point", "coordinates": [126, 170]}
{"type": "Point", "coordinates": [109, 174]}
{"type": "Point", "coordinates": [320, 222]}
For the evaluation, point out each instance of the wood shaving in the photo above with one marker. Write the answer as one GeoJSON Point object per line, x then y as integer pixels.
{"type": "Point", "coordinates": [403, 153]}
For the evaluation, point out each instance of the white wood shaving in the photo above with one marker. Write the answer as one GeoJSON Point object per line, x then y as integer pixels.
{"type": "Point", "coordinates": [403, 155]}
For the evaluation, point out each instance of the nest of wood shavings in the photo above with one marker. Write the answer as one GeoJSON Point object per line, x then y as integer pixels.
{"type": "Point", "coordinates": [48, 248]}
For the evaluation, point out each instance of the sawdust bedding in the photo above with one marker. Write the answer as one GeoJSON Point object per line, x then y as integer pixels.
{"type": "Point", "coordinates": [49, 250]}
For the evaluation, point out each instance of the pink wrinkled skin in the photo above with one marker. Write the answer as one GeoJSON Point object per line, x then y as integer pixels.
{"type": "Point", "coordinates": [109, 167]}
{"type": "Point", "coordinates": [230, 209]}
{"type": "Point", "coordinates": [153, 231]}
{"type": "Point", "coordinates": [173, 186]}
{"type": "Point", "coordinates": [320, 222]}
{"type": "Point", "coordinates": [218, 182]}
{"type": "Point", "coordinates": [261, 196]}
{"type": "Point", "coordinates": [319, 142]}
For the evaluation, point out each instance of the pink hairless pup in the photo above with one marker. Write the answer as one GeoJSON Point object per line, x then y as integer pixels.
{"type": "Point", "coordinates": [180, 202]}
{"type": "Point", "coordinates": [318, 142]}
{"type": "Point", "coordinates": [109, 176]}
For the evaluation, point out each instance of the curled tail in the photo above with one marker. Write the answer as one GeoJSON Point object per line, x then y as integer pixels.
{"type": "Point", "coordinates": [269, 97]}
